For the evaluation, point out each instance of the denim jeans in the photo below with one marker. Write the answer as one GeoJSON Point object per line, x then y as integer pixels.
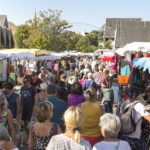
{"type": "Point", "coordinates": [108, 106]}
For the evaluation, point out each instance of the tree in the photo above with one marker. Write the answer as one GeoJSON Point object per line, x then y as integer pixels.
{"type": "Point", "coordinates": [21, 35]}
{"type": "Point", "coordinates": [108, 45]}
{"type": "Point", "coordinates": [88, 43]}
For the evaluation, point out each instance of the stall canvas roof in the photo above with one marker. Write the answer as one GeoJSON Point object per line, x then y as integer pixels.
{"type": "Point", "coordinates": [134, 47]}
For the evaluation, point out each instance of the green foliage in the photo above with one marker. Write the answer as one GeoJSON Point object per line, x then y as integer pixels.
{"type": "Point", "coordinates": [21, 35]}
{"type": "Point", "coordinates": [108, 45]}
{"type": "Point", "coordinates": [48, 31]}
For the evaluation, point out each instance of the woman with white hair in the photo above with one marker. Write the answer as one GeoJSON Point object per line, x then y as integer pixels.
{"type": "Point", "coordinates": [110, 126]}
{"type": "Point", "coordinates": [90, 83]}
{"type": "Point", "coordinates": [40, 97]}
{"type": "Point", "coordinates": [4, 143]}
{"type": "Point", "coordinates": [6, 117]}
{"type": "Point", "coordinates": [71, 139]}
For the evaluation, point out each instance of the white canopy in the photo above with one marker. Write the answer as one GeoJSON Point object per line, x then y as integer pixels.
{"type": "Point", "coordinates": [52, 57]}
{"type": "Point", "coordinates": [134, 47]}
{"type": "Point", "coordinates": [71, 53]}
{"type": "Point", "coordinates": [16, 54]}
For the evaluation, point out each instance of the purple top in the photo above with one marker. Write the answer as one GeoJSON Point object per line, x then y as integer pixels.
{"type": "Point", "coordinates": [75, 99]}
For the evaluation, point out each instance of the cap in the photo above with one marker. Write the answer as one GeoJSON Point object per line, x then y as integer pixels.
{"type": "Point", "coordinates": [42, 68]}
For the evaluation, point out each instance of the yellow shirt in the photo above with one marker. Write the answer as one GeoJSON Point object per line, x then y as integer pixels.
{"type": "Point", "coordinates": [91, 114]}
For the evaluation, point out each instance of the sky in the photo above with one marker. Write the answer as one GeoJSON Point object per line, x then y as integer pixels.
{"type": "Point", "coordinates": [84, 15]}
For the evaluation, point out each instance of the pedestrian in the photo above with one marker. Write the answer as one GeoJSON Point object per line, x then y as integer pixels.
{"type": "Point", "coordinates": [110, 126]}
{"type": "Point", "coordinates": [59, 105]}
{"type": "Point", "coordinates": [71, 139]}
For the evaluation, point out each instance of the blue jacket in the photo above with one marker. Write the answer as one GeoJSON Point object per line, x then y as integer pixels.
{"type": "Point", "coordinates": [89, 84]}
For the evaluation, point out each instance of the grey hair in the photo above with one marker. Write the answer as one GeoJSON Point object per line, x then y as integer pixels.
{"type": "Point", "coordinates": [43, 87]}
{"type": "Point", "coordinates": [3, 100]}
{"type": "Point", "coordinates": [3, 133]}
{"type": "Point", "coordinates": [111, 124]}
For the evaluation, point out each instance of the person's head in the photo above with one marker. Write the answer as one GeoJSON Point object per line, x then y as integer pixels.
{"type": "Point", "coordinates": [101, 69]}
{"type": "Point", "coordinates": [43, 70]}
{"type": "Point", "coordinates": [61, 84]}
{"type": "Point", "coordinates": [3, 102]}
{"type": "Point", "coordinates": [73, 118]}
{"type": "Point", "coordinates": [72, 68]}
{"type": "Point", "coordinates": [43, 87]}
{"type": "Point", "coordinates": [51, 89]}
{"type": "Point", "coordinates": [90, 75]}
{"type": "Point", "coordinates": [81, 76]}
{"type": "Point", "coordinates": [110, 125]}
{"type": "Point", "coordinates": [43, 76]}
{"type": "Point", "coordinates": [63, 77]}
{"type": "Point", "coordinates": [44, 111]}
{"type": "Point", "coordinates": [76, 89]}
{"type": "Point", "coordinates": [26, 82]}
{"type": "Point", "coordinates": [96, 69]}
{"type": "Point", "coordinates": [9, 87]}
{"type": "Point", "coordinates": [90, 94]}
{"type": "Point", "coordinates": [3, 133]}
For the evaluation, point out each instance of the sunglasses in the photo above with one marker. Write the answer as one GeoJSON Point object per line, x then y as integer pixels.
{"type": "Point", "coordinates": [25, 82]}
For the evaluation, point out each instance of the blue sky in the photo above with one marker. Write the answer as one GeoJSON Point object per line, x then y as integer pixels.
{"type": "Point", "coordinates": [93, 12]}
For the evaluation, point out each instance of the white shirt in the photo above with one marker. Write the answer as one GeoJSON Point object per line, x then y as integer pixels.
{"type": "Point", "coordinates": [139, 112]}
{"type": "Point", "coordinates": [61, 142]}
{"type": "Point", "coordinates": [123, 145]}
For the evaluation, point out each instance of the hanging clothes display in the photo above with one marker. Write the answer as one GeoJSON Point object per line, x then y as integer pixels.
{"type": "Point", "coordinates": [125, 68]}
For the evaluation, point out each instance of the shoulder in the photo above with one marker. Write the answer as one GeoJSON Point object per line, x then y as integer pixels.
{"type": "Point", "coordinates": [85, 143]}
{"type": "Point", "coordinates": [60, 138]}
{"type": "Point", "coordinates": [125, 144]}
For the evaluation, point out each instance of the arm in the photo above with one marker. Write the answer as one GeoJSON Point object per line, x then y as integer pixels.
{"type": "Point", "coordinates": [11, 125]}
{"type": "Point", "coordinates": [147, 117]}
{"type": "Point", "coordinates": [30, 146]}
{"type": "Point", "coordinates": [36, 102]}
{"type": "Point", "coordinates": [18, 102]}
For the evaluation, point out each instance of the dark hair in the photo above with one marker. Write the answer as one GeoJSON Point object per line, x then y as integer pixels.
{"type": "Point", "coordinates": [76, 89]}
{"type": "Point", "coordinates": [9, 85]}
{"type": "Point", "coordinates": [61, 84]}
{"type": "Point", "coordinates": [96, 69]}
{"type": "Point", "coordinates": [81, 75]}
{"type": "Point", "coordinates": [51, 89]}
{"type": "Point", "coordinates": [27, 78]}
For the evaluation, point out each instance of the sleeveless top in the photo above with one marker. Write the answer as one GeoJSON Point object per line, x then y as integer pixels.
{"type": "Point", "coordinates": [91, 114]}
{"type": "Point", "coordinates": [12, 103]}
{"type": "Point", "coordinates": [3, 118]}
{"type": "Point", "coordinates": [40, 143]}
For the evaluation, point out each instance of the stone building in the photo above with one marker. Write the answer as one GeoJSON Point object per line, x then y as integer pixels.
{"type": "Point", "coordinates": [126, 30]}
{"type": "Point", "coordinates": [6, 38]}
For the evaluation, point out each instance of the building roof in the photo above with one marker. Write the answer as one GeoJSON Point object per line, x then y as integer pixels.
{"type": "Point", "coordinates": [3, 19]}
{"type": "Point", "coordinates": [111, 25]}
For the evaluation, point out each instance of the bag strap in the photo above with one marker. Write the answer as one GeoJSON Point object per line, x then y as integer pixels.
{"type": "Point", "coordinates": [130, 107]}
{"type": "Point", "coordinates": [117, 147]}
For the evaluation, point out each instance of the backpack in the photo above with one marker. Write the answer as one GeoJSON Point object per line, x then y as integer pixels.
{"type": "Point", "coordinates": [128, 124]}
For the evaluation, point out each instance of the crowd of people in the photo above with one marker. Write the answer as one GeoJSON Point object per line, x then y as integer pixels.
{"type": "Point", "coordinates": [69, 105]}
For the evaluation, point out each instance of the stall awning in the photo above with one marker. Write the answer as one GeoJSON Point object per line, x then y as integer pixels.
{"type": "Point", "coordinates": [106, 59]}
{"type": "Point", "coordinates": [143, 62]}
{"type": "Point", "coordinates": [36, 52]}
{"type": "Point", "coordinates": [134, 47]}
